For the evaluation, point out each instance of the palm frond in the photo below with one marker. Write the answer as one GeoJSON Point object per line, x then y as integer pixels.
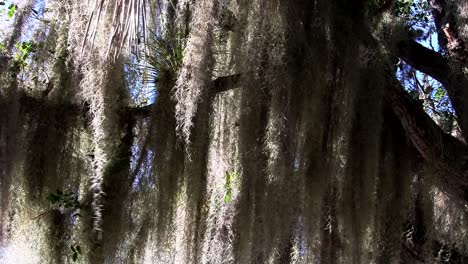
{"type": "Point", "coordinates": [165, 55]}
{"type": "Point", "coordinates": [127, 24]}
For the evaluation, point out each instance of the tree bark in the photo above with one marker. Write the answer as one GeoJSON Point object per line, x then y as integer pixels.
{"type": "Point", "coordinates": [447, 155]}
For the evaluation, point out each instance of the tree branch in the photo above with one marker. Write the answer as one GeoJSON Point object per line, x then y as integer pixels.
{"type": "Point", "coordinates": [424, 60]}
{"type": "Point", "coordinates": [447, 155]}
{"type": "Point", "coordinates": [220, 84]}
{"type": "Point", "coordinates": [447, 31]}
{"type": "Point", "coordinates": [435, 65]}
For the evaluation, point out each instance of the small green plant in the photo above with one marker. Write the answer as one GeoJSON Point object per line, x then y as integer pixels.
{"type": "Point", "coordinates": [12, 10]}
{"type": "Point", "coordinates": [165, 55]}
{"type": "Point", "coordinates": [25, 49]}
{"type": "Point", "coordinates": [76, 252]}
{"type": "Point", "coordinates": [231, 180]}
{"type": "Point", "coordinates": [440, 93]}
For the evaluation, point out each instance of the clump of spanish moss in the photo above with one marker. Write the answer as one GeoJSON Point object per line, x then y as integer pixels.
{"type": "Point", "coordinates": [194, 76]}
{"type": "Point", "coordinates": [264, 137]}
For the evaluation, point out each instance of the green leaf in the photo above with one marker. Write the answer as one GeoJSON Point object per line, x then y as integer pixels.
{"type": "Point", "coordinates": [11, 10]}
{"type": "Point", "coordinates": [231, 178]}
{"type": "Point", "coordinates": [78, 249]}
{"type": "Point", "coordinates": [75, 257]}
{"type": "Point", "coordinates": [227, 197]}
{"type": "Point", "coordinates": [439, 94]}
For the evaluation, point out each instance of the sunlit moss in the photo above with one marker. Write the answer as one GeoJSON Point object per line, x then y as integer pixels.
{"type": "Point", "coordinates": [300, 162]}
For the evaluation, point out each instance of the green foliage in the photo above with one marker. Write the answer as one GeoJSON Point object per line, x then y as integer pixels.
{"type": "Point", "coordinates": [440, 93]}
{"type": "Point", "coordinates": [165, 55]}
{"type": "Point", "coordinates": [444, 109]}
{"type": "Point", "coordinates": [403, 7]}
{"type": "Point", "coordinates": [231, 180]}
{"type": "Point", "coordinates": [12, 10]}
{"type": "Point", "coordinates": [415, 12]}
{"type": "Point", "coordinates": [25, 49]}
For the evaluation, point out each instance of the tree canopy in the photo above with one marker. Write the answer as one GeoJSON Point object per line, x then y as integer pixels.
{"type": "Point", "coordinates": [222, 131]}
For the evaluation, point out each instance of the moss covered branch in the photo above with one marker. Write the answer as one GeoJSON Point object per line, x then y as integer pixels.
{"type": "Point", "coordinates": [447, 155]}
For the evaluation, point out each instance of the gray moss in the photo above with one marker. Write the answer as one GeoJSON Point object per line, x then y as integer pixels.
{"type": "Point", "coordinates": [301, 162]}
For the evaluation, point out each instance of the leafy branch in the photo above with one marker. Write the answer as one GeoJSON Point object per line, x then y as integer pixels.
{"type": "Point", "coordinates": [25, 49]}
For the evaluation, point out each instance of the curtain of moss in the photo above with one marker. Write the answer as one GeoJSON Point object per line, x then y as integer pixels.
{"type": "Point", "coordinates": [301, 162]}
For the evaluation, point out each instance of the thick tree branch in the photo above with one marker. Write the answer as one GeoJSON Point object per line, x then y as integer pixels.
{"type": "Point", "coordinates": [424, 60]}
{"type": "Point", "coordinates": [444, 153]}
{"type": "Point", "coordinates": [447, 31]}
{"type": "Point", "coordinates": [225, 83]}
{"type": "Point", "coordinates": [32, 103]}
{"type": "Point", "coordinates": [445, 23]}
{"type": "Point", "coordinates": [219, 85]}
{"type": "Point", "coordinates": [435, 65]}
{"type": "Point", "coordinates": [447, 155]}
